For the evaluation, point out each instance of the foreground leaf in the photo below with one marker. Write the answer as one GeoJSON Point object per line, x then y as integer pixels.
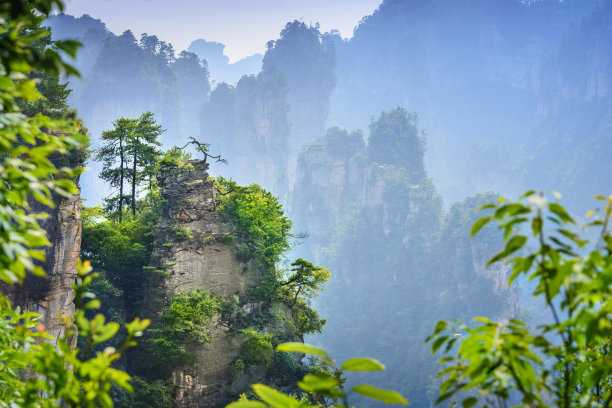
{"type": "Point", "coordinates": [386, 396]}
{"type": "Point", "coordinates": [362, 364]}
{"type": "Point", "coordinates": [274, 398]}
{"type": "Point", "coordinates": [301, 348]}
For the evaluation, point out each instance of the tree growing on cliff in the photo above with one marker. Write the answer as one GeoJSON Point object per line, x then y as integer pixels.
{"type": "Point", "coordinates": [113, 150]}
{"type": "Point", "coordinates": [395, 139]}
{"type": "Point", "coordinates": [129, 156]}
{"type": "Point", "coordinates": [203, 147]}
{"type": "Point", "coordinates": [307, 280]}
{"type": "Point", "coordinates": [144, 154]}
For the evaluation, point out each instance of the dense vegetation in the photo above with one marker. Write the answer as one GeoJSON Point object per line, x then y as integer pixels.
{"type": "Point", "coordinates": [43, 374]}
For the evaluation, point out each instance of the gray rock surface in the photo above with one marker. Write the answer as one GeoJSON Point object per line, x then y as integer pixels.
{"type": "Point", "coordinates": [52, 297]}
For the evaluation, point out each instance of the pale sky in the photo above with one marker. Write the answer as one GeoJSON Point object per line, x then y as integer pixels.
{"type": "Point", "coordinates": [244, 26]}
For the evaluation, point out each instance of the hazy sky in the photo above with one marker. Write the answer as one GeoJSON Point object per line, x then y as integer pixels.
{"type": "Point", "coordinates": [244, 26]}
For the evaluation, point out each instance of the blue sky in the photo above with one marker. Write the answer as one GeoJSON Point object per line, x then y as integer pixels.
{"type": "Point", "coordinates": [244, 26]}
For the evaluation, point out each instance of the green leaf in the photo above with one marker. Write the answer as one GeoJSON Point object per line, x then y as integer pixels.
{"type": "Point", "coordinates": [317, 383]}
{"type": "Point", "coordinates": [560, 212]}
{"type": "Point", "coordinates": [528, 193]}
{"type": "Point", "coordinates": [92, 304]}
{"type": "Point", "coordinates": [274, 398]}
{"type": "Point", "coordinates": [478, 225]}
{"type": "Point", "coordinates": [469, 402]}
{"type": "Point", "coordinates": [436, 345]}
{"type": "Point", "coordinates": [362, 364]}
{"type": "Point", "coordinates": [536, 226]}
{"type": "Point", "coordinates": [386, 396]}
{"type": "Point", "coordinates": [106, 332]}
{"type": "Point", "coordinates": [440, 325]}
{"type": "Point", "coordinates": [246, 404]}
{"type": "Point", "coordinates": [295, 347]}
{"type": "Point", "coordinates": [514, 244]}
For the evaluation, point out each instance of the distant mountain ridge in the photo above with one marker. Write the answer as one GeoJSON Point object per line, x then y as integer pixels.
{"type": "Point", "coordinates": [477, 74]}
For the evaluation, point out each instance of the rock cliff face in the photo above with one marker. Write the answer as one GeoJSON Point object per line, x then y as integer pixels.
{"type": "Point", "coordinates": [195, 249]}
{"type": "Point", "coordinates": [325, 186]}
{"type": "Point", "coordinates": [52, 296]}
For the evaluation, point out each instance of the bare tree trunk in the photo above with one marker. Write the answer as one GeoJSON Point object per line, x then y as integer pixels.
{"type": "Point", "coordinates": [134, 183]}
{"type": "Point", "coordinates": [121, 182]}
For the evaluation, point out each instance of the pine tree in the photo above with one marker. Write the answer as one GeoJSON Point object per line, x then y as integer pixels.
{"type": "Point", "coordinates": [116, 149]}
{"type": "Point", "coordinates": [141, 146]}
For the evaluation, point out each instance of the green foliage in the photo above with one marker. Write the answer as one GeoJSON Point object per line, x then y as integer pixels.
{"type": "Point", "coordinates": [122, 250]}
{"type": "Point", "coordinates": [129, 156]}
{"type": "Point", "coordinates": [184, 325]}
{"type": "Point", "coordinates": [262, 224]}
{"type": "Point", "coordinates": [306, 319]}
{"type": "Point", "coordinates": [305, 283]}
{"type": "Point", "coordinates": [144, 153]}
{"type": "Point", "coordinates": [226, 238]}
{"type": "Point", "coordinates": [174, 157]}
{"type": "Point", "coordinates": [324, 388]}
{"type": "Point", "coordinates": [114, 150]}
{"type": "Point", "coordinates": [162, 271]}
{"type": "Point", "coordinates": [91, 215]}
{"type": "Point", "coordinates": [181, 233]}
{"type": "Point", "coordinates": [257, 349]}
{"type": "Point", "coordinates": [307, 280]}
{"type": "Point", "coordinates": [237, 368]}
{"type": "Point", "coordinates": [41, 374]}
{"type": "Point", "coordinates": [395, 139]}
{"type": "Point", "coordinates": [340, 144]}
{"type": "Point", "coordinates": [38, 370]}
{"type": "Point", "coordinates": [27, 143]}
{"type": "Point", "coordinates": [156, 394]}
{"type": "Point", "coordinates": [285, 369]}
{"type": "Point", "coordinates": [259, 218]}
{"type": "Point", "coordinates": [564, 363]}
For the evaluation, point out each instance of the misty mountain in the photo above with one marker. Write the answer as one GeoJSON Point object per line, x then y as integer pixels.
{"type": "Point", "coordinates": [474, 72]}
{"type": "Point", "coordinates": [218, 63]}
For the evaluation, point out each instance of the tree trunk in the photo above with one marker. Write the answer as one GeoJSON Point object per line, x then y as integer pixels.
{"type": "Point", "coordinates": [121, 182]}
{"type": "Point", "coordinates": [134, 183]}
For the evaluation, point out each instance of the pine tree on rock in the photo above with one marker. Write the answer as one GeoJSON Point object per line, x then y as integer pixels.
{"type": "Point", "coordinates": [115, 150]}
{"type": "Point", "coordinates": [142, 147]}
{"type": "Point", "coordinates": [129, 156]}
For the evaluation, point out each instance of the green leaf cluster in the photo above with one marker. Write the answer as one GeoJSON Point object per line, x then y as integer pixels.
{"type": "Point", "coordinates": [257, 349]}
{"type": "Point", "coordinates": [181, 233]}
{"type": "Point", "coordinates": [27, 144]}
{"type": "Point", "coordinates": [184, 325]}
{"type": "Point", "coordinates": [564, 363]}
{"type": "Point", "coordinates": [37, 373]}
{"type": "Point", "coordinates": [258, 216]}
{"type": "Point", "coordinates": [174, 157]}
{"type": "Point", "coordinates": [121, 250]}
{"type": "Point", "coordinates": [305, 283]}
{"type": "Point", "coordinates": [322, 388]}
